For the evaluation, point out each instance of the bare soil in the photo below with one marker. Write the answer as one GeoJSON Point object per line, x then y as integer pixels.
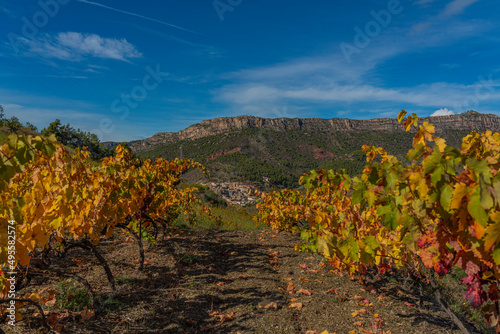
{"type": "Point", "coordinates": [216, 281]}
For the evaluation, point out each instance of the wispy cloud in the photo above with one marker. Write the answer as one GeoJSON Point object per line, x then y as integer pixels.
{"type": "Point", "coordinates": [456, 7]}
{"type": "Point", "coordinates": [453, 8]}
{"type": "Point", "coordinates": [138, 15]}
{"type": "Point", "coordinates": [331, 68]}
{"type": "Point", "coordinates": [423, 2]}
{"type": "Point", "coordinates": [328, 82]}
{"type": "Point", "coordinates": [262, 97]}
{"type": "Point", "coordinates": [67, 76]}
{"type": "Point", "coordinates": [42, 110]}
{"type": "Point", "coordinates": [74, 46]}
{"type": "Point", "coordinates": [7, 11]}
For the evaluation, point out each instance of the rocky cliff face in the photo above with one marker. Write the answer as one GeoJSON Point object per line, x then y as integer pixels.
{"type": "Point", "coordinates": [468, 121]}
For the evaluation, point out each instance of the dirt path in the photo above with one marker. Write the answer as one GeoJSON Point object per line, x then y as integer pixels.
{"type": "Point", "coordinates": [246, 282]}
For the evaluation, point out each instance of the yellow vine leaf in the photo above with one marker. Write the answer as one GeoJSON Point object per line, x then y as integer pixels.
{"type": "Point", "coordinates": [459, 192]}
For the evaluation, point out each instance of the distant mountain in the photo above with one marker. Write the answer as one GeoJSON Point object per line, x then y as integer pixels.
{"type": "Point", "coordinates": [247, 148]}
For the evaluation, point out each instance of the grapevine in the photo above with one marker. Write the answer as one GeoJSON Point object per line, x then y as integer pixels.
{"type": "Point", "coordinates": [438, 210]}
{"type": "Point", "coordinates": [60, 199]}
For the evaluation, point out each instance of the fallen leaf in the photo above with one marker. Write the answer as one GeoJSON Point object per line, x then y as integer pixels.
{"type": "Point", "coordinates": [290, 286]}
{"type": "Point", "coordinates": [287, 278]}
{"type": "Point", "coordinates": [273, 305]}
{"type": "Point", "coordinates": [332, 292]}
{"type": "Point", "coordinates": [370, 289]}
{"type": "Point", "coordinates": [303, 266]}
{"type": "Point", "coordinates": [35, 297]}
{"type": "Point", "coordinates": [358, 312]}
{"type": "Point", "coordinates": [86, 314]}
{"type": "Point", "coordinates": [296, 306]}
{"type": "Point", "coordinates": [222, 317]}
{"type": "Point", "coordinates": [36, 314]}
{"type": "Point", "coordinates": [409, 304]}
{"type": "Point", "coordinates": [304, 280]}
{"type": "Point", "coordinates": [51, 302]}
{"type": "Point", "coordinates": [305, 292]}
{"type": "Point", "coordinates": [318, 280]}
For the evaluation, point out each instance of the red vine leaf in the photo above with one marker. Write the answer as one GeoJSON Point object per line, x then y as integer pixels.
{"type": "Point", "coordinates": [475, 293]}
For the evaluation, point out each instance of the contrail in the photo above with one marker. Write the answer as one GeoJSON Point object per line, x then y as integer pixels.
{"type": "Point", "coordinates": [138, 15]}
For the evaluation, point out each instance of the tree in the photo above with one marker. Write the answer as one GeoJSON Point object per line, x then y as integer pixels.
{"type": "Point", "coordinates": [31, 127]}
{"type": "Point", "coordinates": [70, 137]}
{"type": "Point", "coordinates": [12, 123]}
{"type": "Point", "coordinates": [64, 133]}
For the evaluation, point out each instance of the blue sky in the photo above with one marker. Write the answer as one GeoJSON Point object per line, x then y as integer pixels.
{"type": "Point", "coordinates": [126, 70]}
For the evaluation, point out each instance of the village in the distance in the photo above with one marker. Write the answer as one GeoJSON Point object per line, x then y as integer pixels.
{"type": "Point", "coordinates": [234, 193]}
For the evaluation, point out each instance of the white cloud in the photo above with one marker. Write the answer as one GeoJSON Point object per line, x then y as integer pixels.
{"type": "Point", "coordinates": [456, 7]}
{"type": "Point", "coordinates": [443, 112]}
{"type": "Point", "coordinates": [73, 46]}
{"type": "Point", "coordinates": [255, 97]}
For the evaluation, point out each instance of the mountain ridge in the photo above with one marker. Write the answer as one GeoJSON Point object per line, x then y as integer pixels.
{"type": "Point", "coordinates": [275, 152]}
{"type": "Point", "coordinates": [467, 121]}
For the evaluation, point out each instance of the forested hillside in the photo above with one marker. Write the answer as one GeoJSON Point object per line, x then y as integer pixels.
{"type": "Point", "coordinates": [282, 156]}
